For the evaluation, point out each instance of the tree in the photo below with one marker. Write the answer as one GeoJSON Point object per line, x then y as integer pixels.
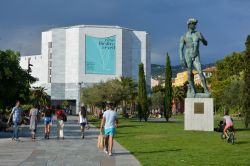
{"type": "Point", "coordinates": [179, 94]}
{"type": "Point", "coordinates": [119, 91]}
{"type": "Point", "coordinates": [157, 88]}
{"type": "Point", "coordinates": [128, 87]}
{"type": "Point", "coordinates": [223, 77]}
{"type": "Point", "coordinates": [246, 101]}
{"type": "Point", "coordinates": [168, 90]}
{"type": "Point", "coordinates": [14, 81]}
{"type": "Point", "coordinates": [231, 97]}
{"type": "Point", "coordinates": [39, 96]}
{"type": "Point", "coordinates": [142, 95]}
{"type": "Point", "coordinates": [157, 100]}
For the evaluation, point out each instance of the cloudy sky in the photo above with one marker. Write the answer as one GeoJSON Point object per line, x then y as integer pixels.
{"type": "Point", "coordinates": [224, 23]}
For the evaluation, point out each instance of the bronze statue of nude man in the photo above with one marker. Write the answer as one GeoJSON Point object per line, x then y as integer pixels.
{"type": "Point", "coordinates": [191, 59]}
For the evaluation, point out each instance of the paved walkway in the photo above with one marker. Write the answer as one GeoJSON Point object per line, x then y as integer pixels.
{"type": "Point", "coordinates": [72, 151]}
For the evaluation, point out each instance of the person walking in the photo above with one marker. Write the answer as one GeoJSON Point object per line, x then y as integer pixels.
{"type": "Point", "coordinates": [16, 118]}
{"type": "Point", "coordinates": [83, 120]}
{"type": "Point", "coordinates": [47, 114]}
{"type": "Point", "coordinates": [109, 123]}
{"type": "Point", "coordinates": [33, 120]}
{"type": "Point", "coordinates": [60, 116]}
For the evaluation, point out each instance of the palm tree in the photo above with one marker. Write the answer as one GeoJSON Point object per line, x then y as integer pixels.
{"type": "Point", "coordinates": [129, 92]}
{"type": "Point", "coordinates": [179, 94]}
{"type": "Point", "coordinates": [39, 96]}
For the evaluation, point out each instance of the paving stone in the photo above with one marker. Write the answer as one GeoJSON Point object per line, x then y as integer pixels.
{"type": "Point", "coordinates": [71, 151]}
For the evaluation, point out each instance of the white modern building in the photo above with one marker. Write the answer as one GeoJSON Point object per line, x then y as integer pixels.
{"type": "Point", "coordinates": [79, 56]}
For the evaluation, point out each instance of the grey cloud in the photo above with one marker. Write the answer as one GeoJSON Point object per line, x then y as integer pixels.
{"type": "Point", "coordinates": [224, 23]}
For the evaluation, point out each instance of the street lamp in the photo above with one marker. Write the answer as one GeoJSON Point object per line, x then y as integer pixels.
{"type": "Point", "coordinates": [79, 97]}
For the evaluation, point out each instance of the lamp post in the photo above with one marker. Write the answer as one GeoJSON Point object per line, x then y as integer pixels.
{"type": "Point", "coordinates": [79, 96]}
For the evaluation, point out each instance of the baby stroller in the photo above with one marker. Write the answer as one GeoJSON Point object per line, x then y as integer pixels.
{"type": "Point", "coordinates": [220, 127]}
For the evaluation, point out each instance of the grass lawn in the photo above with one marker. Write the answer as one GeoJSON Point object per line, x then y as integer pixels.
{"type": "Point", "coordinates": [161, 143]}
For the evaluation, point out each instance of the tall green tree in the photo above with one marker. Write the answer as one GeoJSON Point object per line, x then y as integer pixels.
{"type": "Point", "coordinates": [246, 101]}
{"type": "Point", "coordinates": [142, 95]}
{"type": "Point", "coordinates": [168, 90]}
{"type": "Point", "coordinates": [14, 81]}
{"type": "Point", "coordinates": [228, 70]}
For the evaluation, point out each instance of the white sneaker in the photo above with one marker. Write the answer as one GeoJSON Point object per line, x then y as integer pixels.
{"type": "Point", "coordinates": [110, 154]}
{"type": "Point", "coordinates": [105, 151]}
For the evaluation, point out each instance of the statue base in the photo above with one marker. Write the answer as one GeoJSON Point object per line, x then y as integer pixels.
{"type": "Point", "coordinates": [199, 114]}
{"type": "Point", "coordinates": [198, 95]}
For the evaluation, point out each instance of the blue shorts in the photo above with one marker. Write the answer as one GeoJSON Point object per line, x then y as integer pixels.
{"type": "Point", "coordinates": [83, 124]}
{"type": "Point", "coordinates": [110, 131]}
{"type": "Point", "coordinates": [47, 120]}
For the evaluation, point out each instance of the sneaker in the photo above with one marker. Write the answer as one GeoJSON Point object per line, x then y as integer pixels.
{"type": "Point", "coordinates": [105, 151]}
{"type": "Point", "coordinates": [110, 154]}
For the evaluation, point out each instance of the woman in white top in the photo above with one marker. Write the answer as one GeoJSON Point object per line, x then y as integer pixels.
{"type": "Point", "coordinates": [83, 120]}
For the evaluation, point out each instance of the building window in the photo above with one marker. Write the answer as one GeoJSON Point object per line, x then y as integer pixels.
{"type": "Point", "coordinates": [50, 64]}
{"type": "Point", "coordinates": [50, 55]}
{"type": "Point", "coordinates": [50, 44]}
{"type": "Point", "coordinates": [49, 79]}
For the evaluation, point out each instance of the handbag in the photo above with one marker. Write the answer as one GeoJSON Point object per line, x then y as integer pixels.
{"type": "Point", "coordinates": [100, 142]}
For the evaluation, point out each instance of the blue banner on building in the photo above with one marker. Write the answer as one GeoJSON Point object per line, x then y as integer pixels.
{"type": "Point", "coordinates": [100, 55]}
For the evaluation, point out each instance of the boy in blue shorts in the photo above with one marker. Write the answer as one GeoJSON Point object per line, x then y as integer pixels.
{"type": "Point", "coordinates": [109, 122]}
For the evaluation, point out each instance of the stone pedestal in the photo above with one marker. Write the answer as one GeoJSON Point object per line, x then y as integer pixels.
{"type": "Point", "coordinates": [199, 114]}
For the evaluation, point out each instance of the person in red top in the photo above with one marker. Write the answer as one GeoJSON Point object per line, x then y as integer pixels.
{"type": "Point", "coordinates": [60, 123]}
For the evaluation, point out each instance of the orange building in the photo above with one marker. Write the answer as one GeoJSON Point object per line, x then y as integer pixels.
{"type": "Point", "coordinates": [182, 77]}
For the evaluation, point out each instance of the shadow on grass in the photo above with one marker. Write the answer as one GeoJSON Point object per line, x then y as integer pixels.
{"type": "Point", "coordinates": [242, 142]}
{"type": "Point", "coordinates": [243, 129]}
{"type": "Point", "coordinates": [148, 152]}
{"type": "Point", "coordinates": [165, 122]}
{"type": "Point", "coordinates": [159, 122]}
{"type": "Point", "coordinates": [158, 151]}
{"type": "Point", "coordinates": [127, 126]}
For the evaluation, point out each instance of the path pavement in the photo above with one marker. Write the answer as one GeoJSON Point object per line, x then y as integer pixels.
{"type": "Point", "coordinates": [72, 151]}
